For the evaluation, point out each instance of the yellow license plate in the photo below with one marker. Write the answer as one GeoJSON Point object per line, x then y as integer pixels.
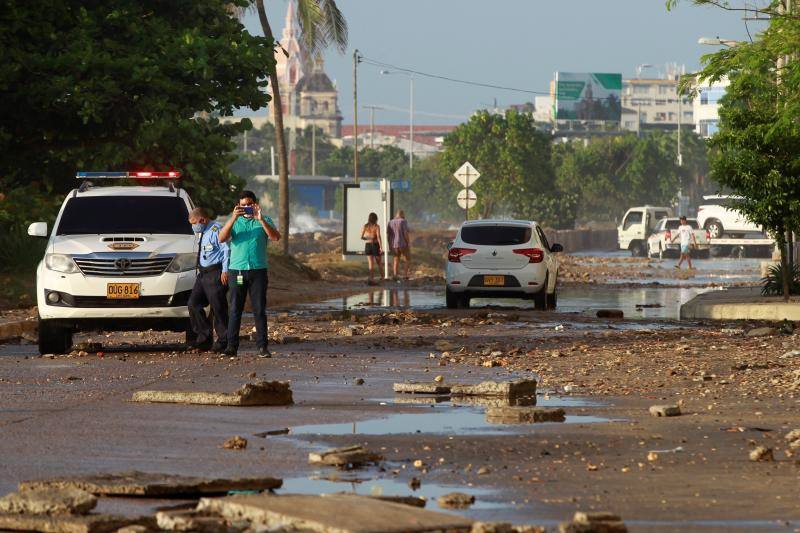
{"type": "Point", "coordinates": [494, 281]}
{"type": "Point", "coordinates": [122, 291]}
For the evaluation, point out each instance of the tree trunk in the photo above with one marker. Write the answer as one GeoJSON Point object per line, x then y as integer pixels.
{"type": "Point", "coordinates": [780, 237]}
{"type": "Point", "coordinates": [280, 139]}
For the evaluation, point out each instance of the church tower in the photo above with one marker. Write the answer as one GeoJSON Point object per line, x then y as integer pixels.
{"type": "Point", "coordinates": [291, 69]}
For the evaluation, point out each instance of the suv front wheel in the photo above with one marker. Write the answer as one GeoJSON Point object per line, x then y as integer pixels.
{"type": "Point", "coordinates": [54, 339]}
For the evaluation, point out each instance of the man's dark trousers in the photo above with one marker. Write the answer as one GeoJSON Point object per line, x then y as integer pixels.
{"type": "Point", "coordinates": [255, 283]}
{"type": "Point", "coordinates": [208, 289]}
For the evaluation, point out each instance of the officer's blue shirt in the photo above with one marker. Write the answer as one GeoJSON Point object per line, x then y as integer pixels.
{"type": "Point", "coordinates": [212, 251]}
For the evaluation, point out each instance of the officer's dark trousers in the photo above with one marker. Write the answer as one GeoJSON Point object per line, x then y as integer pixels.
{"type": "Point", "coordinates": [208, 289]}
{"type": "Point", "coordinates": [254, 283]}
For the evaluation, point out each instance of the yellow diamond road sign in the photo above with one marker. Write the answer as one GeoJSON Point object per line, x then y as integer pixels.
{"type": "Point", "coordinates": [467, 175]}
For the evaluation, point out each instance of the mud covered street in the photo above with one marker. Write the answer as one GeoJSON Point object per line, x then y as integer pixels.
{"type": "Point", "coordinates": [736, 385]}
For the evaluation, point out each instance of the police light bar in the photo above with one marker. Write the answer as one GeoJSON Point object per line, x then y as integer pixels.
{"type": "Point", "coordinates": [121, 175]}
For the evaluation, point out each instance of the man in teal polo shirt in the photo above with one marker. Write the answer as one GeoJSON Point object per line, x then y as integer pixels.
{"type": "Point", "coordinates": [248, 232]}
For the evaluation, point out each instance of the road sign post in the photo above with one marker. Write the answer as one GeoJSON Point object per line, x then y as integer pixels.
{"type": "Point", "coordinates": [467, 175]}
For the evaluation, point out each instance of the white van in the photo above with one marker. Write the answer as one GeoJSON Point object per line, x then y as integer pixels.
{"type": "Point", "coordinates": [637, 225]}
{"type": "Point", "coordinates": [118, 258]}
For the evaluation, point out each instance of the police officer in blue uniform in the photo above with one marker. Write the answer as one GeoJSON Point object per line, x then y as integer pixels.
{"type": "Point", "coordinates": [211, 285]}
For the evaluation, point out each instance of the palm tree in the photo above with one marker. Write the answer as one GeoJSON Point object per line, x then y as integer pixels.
{"type": "Point", "coordinates": [321, 25]}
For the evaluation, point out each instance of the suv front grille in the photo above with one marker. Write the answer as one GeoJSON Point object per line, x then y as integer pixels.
{"type": "Point", "coordinates": [122, 266]}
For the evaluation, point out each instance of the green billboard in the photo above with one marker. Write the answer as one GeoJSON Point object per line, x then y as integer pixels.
{"type": "Point", "coordinates": [588, 96]}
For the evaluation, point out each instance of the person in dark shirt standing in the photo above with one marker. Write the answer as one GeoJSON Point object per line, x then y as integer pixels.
{"type": "Point", "coordinates": [248, 231]}
{"type": "Point", "coordinates": [400, 242]}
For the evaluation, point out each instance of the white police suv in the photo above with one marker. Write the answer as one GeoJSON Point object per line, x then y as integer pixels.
{"type": "Point", "coordinates": [118, 258]}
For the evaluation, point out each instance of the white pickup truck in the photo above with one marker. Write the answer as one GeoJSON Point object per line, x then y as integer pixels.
{"type": "Point", "coordinates": [660, 243]}
{"type": "Point", "coordinates": [637, 225]}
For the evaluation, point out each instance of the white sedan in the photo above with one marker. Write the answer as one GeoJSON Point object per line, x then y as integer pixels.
{"type": "Point", "coordinates": [501, 259]}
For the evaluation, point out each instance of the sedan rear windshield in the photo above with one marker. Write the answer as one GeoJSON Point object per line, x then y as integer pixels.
{"type": "Point", "coordinates": [675, 224]}
{"type": "Point", "coordinates": [496, 235]}
{"type": "Point", "coordinates": [125, 214]}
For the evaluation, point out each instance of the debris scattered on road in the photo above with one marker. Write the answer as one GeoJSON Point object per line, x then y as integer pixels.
{"type": "Point", "coordinates": [72, 523]}
{"type": "Point", "coordinates": [251, 394]}
{"type": "Point", "coordinates": [793, 438]}
{"type": "Point", "coordinates": [665, 410]}
{"type": "Point", "coordinates": [346, 457]}
{"type": "Point", "coordinates": [235, 443]}
{"type": "Point", "coordinates": [48, 501]}
{"type": "Point", "coordinates": [412, 387]}
{"type": "Point", "coordinates": [193, 520]}
{"type": "Point", "coordinates": [359, 381]}
{"type": "Point", "coordinates": [272, 432]}
{"type": "Point", "coordinates": [762, 454]}
{"type": "Point", "coordinates": [455, 500]}
{"type": "Point", "coordinates": [153, 485]}
{"type": "Point", "coordinates": [524, 415]}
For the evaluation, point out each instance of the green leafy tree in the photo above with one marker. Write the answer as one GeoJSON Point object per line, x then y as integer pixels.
{"type": "Point", "coordinates": [514, 159]}
{"type": "Point", "coordinates": [755, 152]}
{"type": "Point", "coordinates": [322, 25]}
{"type": "Point", "coordinates": [125, 84]}
{"type": "Point", "coordinates": [610, 173]}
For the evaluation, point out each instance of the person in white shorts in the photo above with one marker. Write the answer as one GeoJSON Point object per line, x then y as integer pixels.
{"type": "Point", "coordinates": [686, 234]}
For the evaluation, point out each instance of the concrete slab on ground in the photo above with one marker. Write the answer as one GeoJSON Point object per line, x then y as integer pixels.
{"type": "Point", "coordinates": [740, 303]}
{"type": "Point", "coordinates": [336, 512]}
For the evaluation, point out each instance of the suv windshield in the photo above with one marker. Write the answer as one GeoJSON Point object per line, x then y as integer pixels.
{"type": "Point", "coordinates": [496, 235]}
{"type": "Point", "coordinates": [125, 214]}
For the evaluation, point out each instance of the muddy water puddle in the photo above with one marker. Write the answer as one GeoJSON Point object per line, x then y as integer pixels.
{"type": "Point", "coordinates": [635, 302]}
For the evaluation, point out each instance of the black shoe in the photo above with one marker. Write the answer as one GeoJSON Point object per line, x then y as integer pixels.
{"type": "Point", "coordinates": [230, 352]}
{"type": "Point", "coordinates": [200, 346]}
{"type": "Point", "coordinates": [218, 348]}
{"type": "Point", "coordinates": [264, 353]}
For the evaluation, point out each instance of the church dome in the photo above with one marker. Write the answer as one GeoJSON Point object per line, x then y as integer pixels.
{"type": "Point", "coordinates": [316, 82]}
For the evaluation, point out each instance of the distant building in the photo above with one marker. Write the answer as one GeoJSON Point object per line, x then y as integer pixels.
{"type": "Point", "coordinates": [706, 107]}
{"type": "Point", "coordinates": [428, 139]}
{"type": "Point", "coordinates": [654, 103]}
{"type": "Point", "coordinates": [308, 96]}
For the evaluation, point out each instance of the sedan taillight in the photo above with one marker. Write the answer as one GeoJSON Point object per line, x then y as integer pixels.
{"type": "Point", "coordinates": [454, 255]}
{"type": "Point", "coordinates": [534, 255]}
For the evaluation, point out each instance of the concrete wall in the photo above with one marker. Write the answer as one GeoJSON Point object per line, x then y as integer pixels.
{"type": "Point", "coordinates": [577, 240]}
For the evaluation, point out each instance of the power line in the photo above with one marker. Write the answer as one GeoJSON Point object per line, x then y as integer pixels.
{"type": "Point", "coordinates": [376, 63]}
{"type": "Point", "coordinates": [391, 108]}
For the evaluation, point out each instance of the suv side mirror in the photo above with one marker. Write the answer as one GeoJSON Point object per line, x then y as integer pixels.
{"type": "Point", "coordinates": [38, 229]}
{"type": "Point", "coordinates": [555, 248]}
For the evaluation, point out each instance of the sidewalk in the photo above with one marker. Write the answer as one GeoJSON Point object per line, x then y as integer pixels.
{"type": "Point", "coordinates": [741, 303]}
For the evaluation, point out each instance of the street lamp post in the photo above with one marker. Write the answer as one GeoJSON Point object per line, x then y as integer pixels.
{"type": "Point", "coordinates": [410, 113]}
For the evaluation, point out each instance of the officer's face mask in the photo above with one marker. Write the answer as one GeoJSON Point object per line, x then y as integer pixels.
{"type": "Point", "coordinates": [198, 227]}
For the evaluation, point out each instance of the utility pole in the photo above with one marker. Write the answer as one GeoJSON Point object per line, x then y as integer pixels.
{"type": "Point", "coordinates": [785, 8]}
{"type": "Point", "coordinates": [314, 150]}
{"type": "Point", "coordinates": [680, 112]}
{"type": "Point", "coordinates": [355, 114]}
{"type": "Point", "coordinates": [411, 125]}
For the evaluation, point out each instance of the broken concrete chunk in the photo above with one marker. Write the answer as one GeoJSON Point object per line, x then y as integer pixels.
{"type": "Point", "coordinates": [192, 520]}
{"type": "Point", "coordinates": [251, 394]}
{"type": "Point", "coordinates": [610, 313]}
{"type": "Point", "coordinates": [504, 389]}
{"type": "Point", "coordinates": [48, 501]}
{"type": "Point", "coordinates": [235, 443]}
{"type": "Point", "coordinates": [762, 332]}
{"type": "Point", "coordinates": [153, 485]}
{"type": "Point", "coordinates": [455, 500]}
{"type": "Point", "coordinates": [762, 453]}
{"type": "Point", "coordinates": [413, 501]}
{"type": "Point", "coordinates": [524, 415]}
{"type": "Point", "coordinates": [351, 456]}
{"type": "Point", "coordinates": [665, 410]}
{"type": "Point", "coordinates": [71, 523]}
{"type": "Point", "coordinates": [505, 527]}
{"type": "Point", "coordinates": [594, 522]}
{"type": "Point", "coordinates": [336, 512]}
{"type": "Point", "coordinates": [412, 387]}
{"type": "Point", "coordinates": [584, 517]}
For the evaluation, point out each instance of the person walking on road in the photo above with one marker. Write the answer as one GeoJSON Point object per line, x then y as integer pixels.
{"type": "Point", "coordinates": [249, 232]}
{"type": "Point", "coordinates": [211, 284]}
{"type": "Point", "coordinates": [371, 232]}
{"type": "Point", "coordinates": [686, 234]}
{"type": "Point", "coordinates": [399, 237]}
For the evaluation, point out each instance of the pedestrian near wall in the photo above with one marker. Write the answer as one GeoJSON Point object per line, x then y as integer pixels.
{"type": "Point", "coordinates": [211, 285]}
{"type": "Point", "coordinates": [248, 230]}
{"type": "Point", "coordinates": [686, 234]}
{"type": "Point", "coordinates": [399, 237]}
{"type": "Point", "coordinates": [373, 248]}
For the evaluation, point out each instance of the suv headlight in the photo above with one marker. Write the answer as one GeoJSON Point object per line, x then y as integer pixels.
{"type": "Point", "coordinates": [60, 263]}
{"type": "Point", "coordinates": [182, 263]}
